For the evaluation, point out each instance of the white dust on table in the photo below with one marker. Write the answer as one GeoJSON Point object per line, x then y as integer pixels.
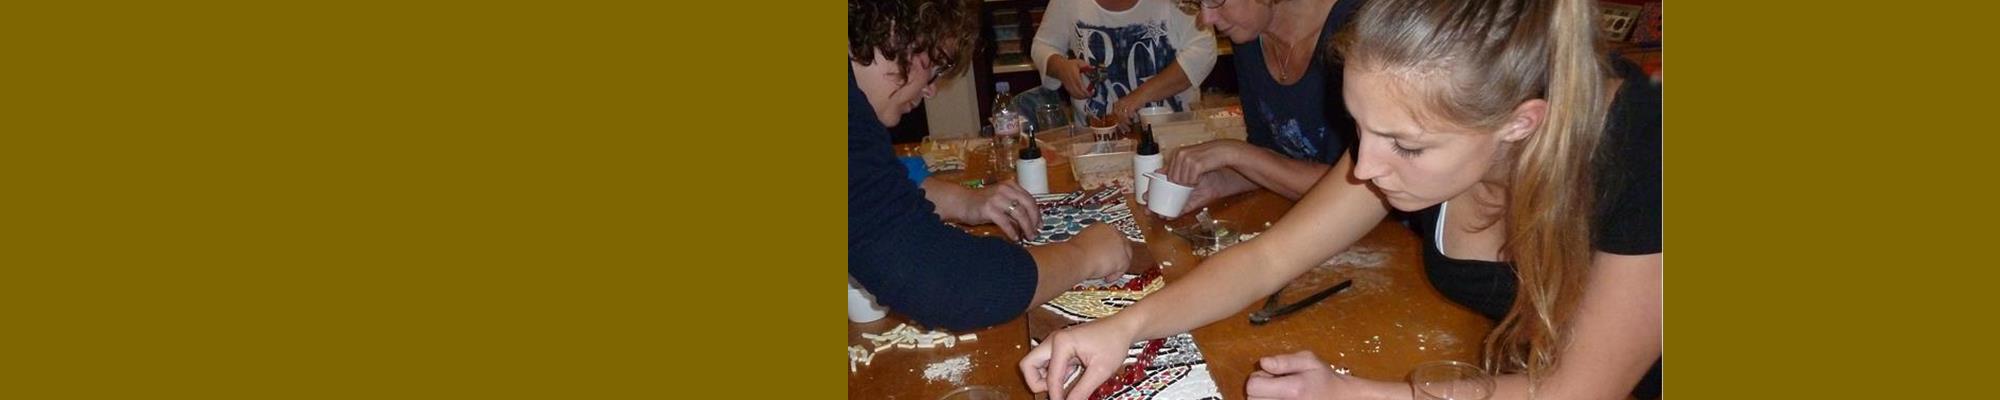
{"type": "Point", "coordinates": [1358, 257]}
{"type": "Point", "coordinates": [1362, 264]}
{"type": "Point", "coordinates": [1436, 339]}
{"type": "Point", "coordinates": [952, 370]}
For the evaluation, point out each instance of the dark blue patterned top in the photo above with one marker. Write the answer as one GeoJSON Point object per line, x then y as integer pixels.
{"type": "Point", "coordinates": [1306, 120]}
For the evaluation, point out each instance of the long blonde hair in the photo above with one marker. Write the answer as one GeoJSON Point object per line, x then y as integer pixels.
{"type": "Point", "coordinates": [1471, 63]}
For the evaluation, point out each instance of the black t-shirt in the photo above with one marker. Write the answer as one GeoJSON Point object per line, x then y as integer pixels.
{"type": "Point", "coordinates": [1626, 220]}
{"type": "Point", "coordinates": [1306, 120]}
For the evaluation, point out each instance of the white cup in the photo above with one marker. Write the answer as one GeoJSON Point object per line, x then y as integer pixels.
{"type": "Point", "coordinates": [1164, 196]}
{"type": "Point", "coordinates": [1104, 132]}
{"type": "Point", "coordinates": [861, 307]}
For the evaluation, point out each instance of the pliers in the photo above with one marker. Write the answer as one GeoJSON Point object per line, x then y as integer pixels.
{"type": "Point", "coordinates": [1273, 309]}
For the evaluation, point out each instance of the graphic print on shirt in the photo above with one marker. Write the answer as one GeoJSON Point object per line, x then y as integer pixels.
{"type": "Point", "coordinates": [1127, 54]}
{"type": "Point", "coordinates": [1291, 140]}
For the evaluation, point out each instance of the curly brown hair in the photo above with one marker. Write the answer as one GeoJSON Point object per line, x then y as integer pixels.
{"type": "Point", "coordinates": [946, 30]}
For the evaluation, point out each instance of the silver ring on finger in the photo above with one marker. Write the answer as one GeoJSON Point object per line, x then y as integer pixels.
{"type": "Point", "coordinates": [1010, 208]}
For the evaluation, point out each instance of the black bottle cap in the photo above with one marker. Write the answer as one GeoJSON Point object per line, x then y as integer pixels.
{"type": "Point", "coordinates": [1147, 145]}
{"type": "Point", "coordinates": [1032, 151]}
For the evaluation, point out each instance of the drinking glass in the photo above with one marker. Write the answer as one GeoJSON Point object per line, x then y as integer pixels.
{"type": "Point", "coordinates": [1450, 380]}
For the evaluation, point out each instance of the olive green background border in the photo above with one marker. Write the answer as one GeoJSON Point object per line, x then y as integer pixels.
{"type": "Point", "coordinates": [604, 200]}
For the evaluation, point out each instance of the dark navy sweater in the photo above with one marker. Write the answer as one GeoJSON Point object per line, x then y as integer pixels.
{"type": "Point", "coordinates": [899, 250]}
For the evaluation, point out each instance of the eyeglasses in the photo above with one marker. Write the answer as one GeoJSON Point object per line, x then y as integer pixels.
{"type": "Point", "coordinates": [937, 71]}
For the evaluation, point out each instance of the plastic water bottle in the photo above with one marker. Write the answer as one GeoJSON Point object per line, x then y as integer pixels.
{"type": "Point", "coordinates": [1006, 122]}
{"type": "Point", "coordinates": [1007, 125]}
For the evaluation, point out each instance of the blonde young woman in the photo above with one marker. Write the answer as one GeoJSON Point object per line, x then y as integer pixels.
{"type": "Point", "coordinates": [1527, 163]}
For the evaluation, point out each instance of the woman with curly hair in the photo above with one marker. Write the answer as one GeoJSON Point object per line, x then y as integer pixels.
{"type": "Point", "coordinates": [897, 246]}
{"type": "Point", "coordinates": [1528, 166]}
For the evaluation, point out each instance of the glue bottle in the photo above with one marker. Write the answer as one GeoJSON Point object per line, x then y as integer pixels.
{"type": "Point", "coordinates": [1147, 161]}
{"type": "Point", "coordinates": [1030, 170]}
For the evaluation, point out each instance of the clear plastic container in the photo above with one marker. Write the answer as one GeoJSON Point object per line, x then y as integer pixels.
{"type": "Point", "coordinates": [1099, 164]}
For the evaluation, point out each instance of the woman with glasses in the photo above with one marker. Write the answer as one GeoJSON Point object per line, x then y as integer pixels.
{"type": "Point", "coordinates": [897, 246]}
{"type": "Point", "coordinates": [1290, 88]}
{"type": "Point", "coordinates": [1148, 51]}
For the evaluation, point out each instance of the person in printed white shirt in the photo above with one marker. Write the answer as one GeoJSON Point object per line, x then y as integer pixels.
{"type": "Point", "coordinates": [1151, 51]}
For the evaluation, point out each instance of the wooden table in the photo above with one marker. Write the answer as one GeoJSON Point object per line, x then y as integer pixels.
{"type": "Point", "coordinates": [1387, 323]}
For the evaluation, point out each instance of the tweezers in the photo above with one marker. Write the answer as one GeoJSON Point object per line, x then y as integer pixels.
{"type": "Point", "coordinates": [1274, 309]}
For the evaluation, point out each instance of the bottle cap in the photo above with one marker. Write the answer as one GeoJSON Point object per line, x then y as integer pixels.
{"type": "Point", "coordinates": [1147, 145]}
{"type": "Point", "coordinates": [1032, 151]}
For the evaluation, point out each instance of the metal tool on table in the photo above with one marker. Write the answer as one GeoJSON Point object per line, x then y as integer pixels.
{"type": "Point", "coordinates": [1274, 309]}
{"type": "Point", "coordinates": [1218, 236]}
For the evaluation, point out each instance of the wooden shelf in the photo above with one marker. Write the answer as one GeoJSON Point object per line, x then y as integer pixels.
{"type": "Point", "coordinates": [1005, 69]}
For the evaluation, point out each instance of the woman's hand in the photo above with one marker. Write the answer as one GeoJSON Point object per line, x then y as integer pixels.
{"type": "Point", "coordinates": [1097, 347]}
{"type": "Point", "coordinates": [1216, 185]}
{"type": "Point", "coordinates": [1070, 72]}
{"type": "Point", "coordinates": [1126, 108]}
{"type": "Point", "coordinates": [1303, 375]}
{"type": "Point", "coordinates": [1004, 204]}
{"type": "Point", "coordinates": [1191, 162]}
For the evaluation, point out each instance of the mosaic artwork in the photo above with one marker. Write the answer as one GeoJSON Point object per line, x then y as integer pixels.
{"type": "Point", "coordinates": [1066, 214]}
{"type": "Point", "coordinates": [1165, 368]}
{"type": "Point", "coordinates": [1088, 302]}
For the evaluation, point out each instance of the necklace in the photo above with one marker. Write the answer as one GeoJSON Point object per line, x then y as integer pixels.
{"type": "Point", "coordinates": [1284, 68]}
